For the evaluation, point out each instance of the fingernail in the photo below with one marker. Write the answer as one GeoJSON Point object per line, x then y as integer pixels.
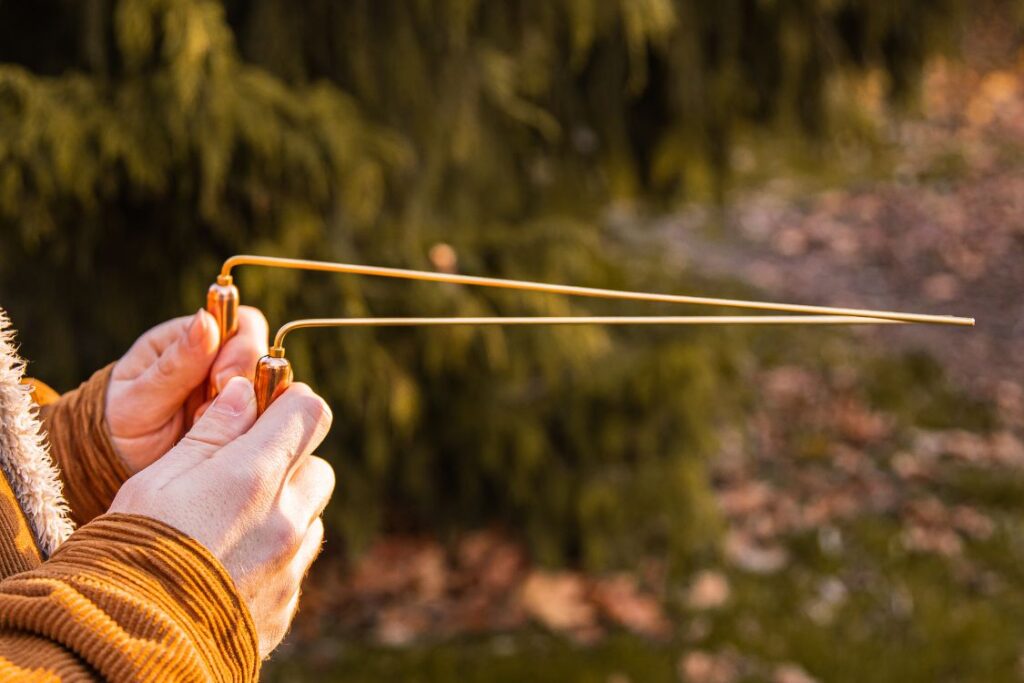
{"type": "Point", "coordinates": [234, 398]}
{"type": "Point", "coordinates": [195, 329]}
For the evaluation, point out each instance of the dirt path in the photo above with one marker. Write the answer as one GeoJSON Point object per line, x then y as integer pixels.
{"type": "Point", "coordinates": [950, 245]}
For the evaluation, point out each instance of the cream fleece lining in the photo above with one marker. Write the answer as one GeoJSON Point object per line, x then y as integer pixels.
{"type": "Point", "coordinates": [24, 454]}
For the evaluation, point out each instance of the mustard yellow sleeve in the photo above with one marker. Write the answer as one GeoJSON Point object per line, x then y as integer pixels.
{"type": "Point", "coordinates": [80, 446]}
{"type": "Point", "coordinates": [126, 598]}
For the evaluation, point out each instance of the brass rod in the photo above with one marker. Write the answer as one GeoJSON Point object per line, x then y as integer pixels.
{"type": "Point", "coordinates": [572, 290]}
{"type": "Point", "coordinates": [278, 347]}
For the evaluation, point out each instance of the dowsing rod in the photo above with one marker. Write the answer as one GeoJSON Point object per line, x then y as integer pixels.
{"type": "Point", "coordinates": [401, 273]}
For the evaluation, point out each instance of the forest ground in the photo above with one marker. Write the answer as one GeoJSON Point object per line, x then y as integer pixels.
{"type": "Point", "coordinates": [871, 498]}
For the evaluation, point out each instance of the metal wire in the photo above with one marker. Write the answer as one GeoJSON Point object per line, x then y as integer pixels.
{"type": "Point", "coordinates": [578, 320]}
{"type": "Point", "coordinates": [571, 290]}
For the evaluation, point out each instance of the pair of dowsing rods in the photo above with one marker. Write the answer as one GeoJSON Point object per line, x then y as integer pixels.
{"type": "Point", "coordinates": [274, 374]}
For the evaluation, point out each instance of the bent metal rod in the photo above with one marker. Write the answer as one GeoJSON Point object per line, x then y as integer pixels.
{"type": "Point", "coordinates": [274, 372]}
{"type": "Point", "coordinates": [225, 280]}
{"type": "Point", "coordinates": [222, 302]}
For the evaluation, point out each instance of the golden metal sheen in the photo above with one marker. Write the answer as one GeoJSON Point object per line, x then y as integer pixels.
{"type": "Point", "coordinates": [222, 303]}
{"type": "Point", "coordinates": [273, 376]}
{"type": "Point", "coordinates": [274, 373]}
{"type": "Point", "coordinates": [278, 348]}
{"type": "Point", "coordinates": [571, 290]}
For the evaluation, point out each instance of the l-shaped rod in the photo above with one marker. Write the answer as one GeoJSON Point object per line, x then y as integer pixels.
{"type": "Point", "coordinates": [572, 290]}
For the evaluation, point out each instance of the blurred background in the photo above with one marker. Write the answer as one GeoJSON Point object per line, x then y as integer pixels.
{"type": "Point", "coordinates": [704, 505]}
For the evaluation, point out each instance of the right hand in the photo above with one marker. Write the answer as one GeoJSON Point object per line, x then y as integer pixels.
{"type": "Point", "coordinates": [251, 492]}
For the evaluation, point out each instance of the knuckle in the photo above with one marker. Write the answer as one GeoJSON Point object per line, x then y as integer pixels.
{"type": "Point", "coordinates": [288, 538]}
{"type": "Point", "coordinates": [166, 366]}
{"type": "Point", "coordinates": [312, 410]}
{"type": "Point", "coordinates": [209, 436]}
{"type": "Point", "coordinates": [324, 473]}
{"type": "Point", "coordinates": [315, 410]}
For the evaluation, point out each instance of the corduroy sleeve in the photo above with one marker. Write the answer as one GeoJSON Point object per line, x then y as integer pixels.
{"type": "Point", "coordinates": [126, 598]}
{"type": "Point", "coordinates": [80, 446]}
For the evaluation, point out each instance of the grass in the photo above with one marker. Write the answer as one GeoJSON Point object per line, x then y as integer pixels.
{"type": "Point", "coordinates": [536, 657]}
{"type": "Point", "coordinates": [913, 387]}
{"type": "Point", "coordinates": [905, 618]}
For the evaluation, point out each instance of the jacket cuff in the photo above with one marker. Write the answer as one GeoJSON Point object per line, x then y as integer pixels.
{"type": "Point", "coordinates": [80, 445]}
{"type": "Point", "coordinates": [134, 597]}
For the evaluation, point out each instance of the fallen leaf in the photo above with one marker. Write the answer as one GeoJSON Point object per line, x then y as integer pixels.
{"type": "Point", "coordinates": [974, 524]}
{"type": "Point", "coordinates": [710, 590]}
{"type": "Point", "coordinates": [705, 667]}
{"type": "Point", "coordinates": [490, 561]}
{"type": "Point", "coordinates": [399, 564]}
{"type": "Point", "coordinates": [791, 673]}
{"type": "Point", "coordinates": [400, 625]}
{"type": "Point", "coordinates": [557, 600]}
{"type": "Point", "coordinates": [744, 553]}
{"type": "Point", "coordinates": [620, 600]}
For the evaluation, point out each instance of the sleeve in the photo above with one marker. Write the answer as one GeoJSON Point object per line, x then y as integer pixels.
{"type": "Point", "coordinates": [126, 598]}
{"type": "Point", "coordinates": [80, 446]}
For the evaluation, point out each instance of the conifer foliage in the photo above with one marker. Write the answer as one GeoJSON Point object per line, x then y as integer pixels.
{"type": "Point", "coordinates": [141, 141]}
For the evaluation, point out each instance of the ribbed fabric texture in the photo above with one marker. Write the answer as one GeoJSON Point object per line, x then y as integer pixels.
{"type": "Point", "coordinates": [80, 447]}
{"type": "Point", "coordinates": [126, 598]}
{"type": "Point", "coordinates": [18, 549]}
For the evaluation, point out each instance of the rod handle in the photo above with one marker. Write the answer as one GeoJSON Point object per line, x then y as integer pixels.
{"type": "Point", "coordinates": [273, 377]}
{"type": "Point", "coordinates": [222, 303]}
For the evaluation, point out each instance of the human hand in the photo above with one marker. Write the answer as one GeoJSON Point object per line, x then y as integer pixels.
{"type": "Point", "coordinates": [146, 405]}
{"type": "Point", "coordinates": [251, 492]}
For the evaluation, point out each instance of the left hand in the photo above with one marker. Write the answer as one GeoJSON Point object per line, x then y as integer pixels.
{"type": "Point", "coordinates": [150, 386]}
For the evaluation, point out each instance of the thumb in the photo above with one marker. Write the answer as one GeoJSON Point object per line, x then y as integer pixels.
{"type": "Point", "coordinates": [230, 415]}
{"type": "Point", "coordinates": [180, 368]}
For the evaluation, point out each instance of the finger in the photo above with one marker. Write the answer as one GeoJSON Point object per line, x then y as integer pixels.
{"type": "Point", "coordinates": [162, 388]}
{"type": "Point", "coordinates": [294, 424]}
{"type": "Point", "coordinates": [150, 345]}
{"type": "Point", "coordinates": [230, 416]}
{"type": "Point", "coordinates": [271, 637]}
{"type": "Point", "coordinates": [240, 353]}
{"type": "Point", "coordinates": [311, 486]}
{"type": "Point", "coordinates": [308, 551]}
{"type": "Point", "coordinates": [201, 409]}
{"type": "Point", "coordinates": [295, 572]}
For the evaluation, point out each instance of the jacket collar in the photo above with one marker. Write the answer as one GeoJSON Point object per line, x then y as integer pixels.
{"type": "Point", "coordinates": [24, 454]}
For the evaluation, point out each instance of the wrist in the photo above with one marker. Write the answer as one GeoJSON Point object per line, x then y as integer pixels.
{"type": "Point", "coordinates": [80, 443]}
